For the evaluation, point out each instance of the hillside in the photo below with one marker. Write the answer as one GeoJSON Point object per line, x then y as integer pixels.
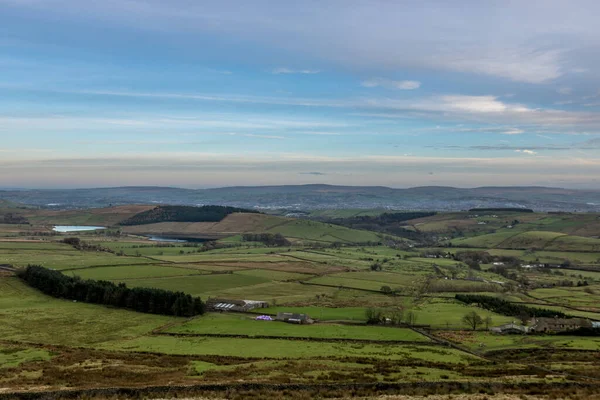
{"type": "Point", "coordinates": [108, 216]}
{"type": "Point", "coordinates": [239, 223]}
{"type": "Point", "coordinates": [161, 214]}
{"type": "Point", "coordinates": [314, 197]}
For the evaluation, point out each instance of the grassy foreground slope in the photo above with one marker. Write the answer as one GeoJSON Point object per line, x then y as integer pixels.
{"type": "Point", "coordinates": [27, 315]}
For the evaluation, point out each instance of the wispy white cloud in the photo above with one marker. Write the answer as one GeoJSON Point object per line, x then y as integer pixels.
{"type": "Point", "coordinates": [526, 151]}
{"type": "Point", "coordinates": [391, 84]}
{"type": "Point", "coordinates": [565, 90]}
{"type": "Point", "coordinates": [485, 109]}
{"type": "Point", "coordinates": [513, 131]}
{"type": "Point", "coordinates": [519, 64]}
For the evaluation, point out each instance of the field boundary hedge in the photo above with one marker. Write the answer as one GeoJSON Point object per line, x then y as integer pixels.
{"type": "Point", "coordinates": [507, 308]}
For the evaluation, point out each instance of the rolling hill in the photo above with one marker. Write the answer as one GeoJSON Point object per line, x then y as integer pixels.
{"type": "Point", "coordinates": [311, 197]}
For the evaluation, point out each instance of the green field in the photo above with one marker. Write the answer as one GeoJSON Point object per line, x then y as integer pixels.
{"type": "Point", "coordinates": [125, 273]}
{"type": "Point", "coordinates": [11, 357]}
{"type": "Point", "coordinates": [233, 324]}
{"type": "Point", "coordinates": [199, 285]}
{"type": "Point", "coordinates": [279, 348]}
{"type": "Point", "coordinates": [31, 317]}
{"type": "Point", "coordinates": [66, 344]}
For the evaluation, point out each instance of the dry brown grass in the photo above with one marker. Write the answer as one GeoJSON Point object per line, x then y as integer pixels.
{"type": "Point", "coordinates": [231, 225]}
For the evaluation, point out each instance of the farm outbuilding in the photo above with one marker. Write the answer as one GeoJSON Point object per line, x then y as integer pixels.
{"type": "Point", "coordinates": [510, 329]}
{"type": "Point", "coordinates": [555, 325]}
{"type": "Point", "coordinates": [294, 318]}
{"type": "Point", "coordinates": [235, 305]}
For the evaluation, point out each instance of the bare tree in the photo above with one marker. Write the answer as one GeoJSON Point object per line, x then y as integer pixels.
{"type": "Point", "coordinates": [396, 315]}
{"type": "Point", "coordinates": [488, 322]}
{"type": "Point", "coordinates": [411, 318]}
{"type": "Point", "coordinates": [472, 319]}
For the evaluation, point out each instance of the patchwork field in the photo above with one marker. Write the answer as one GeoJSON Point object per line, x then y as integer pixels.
{"type": "Point", "coordinates": [320, 273]}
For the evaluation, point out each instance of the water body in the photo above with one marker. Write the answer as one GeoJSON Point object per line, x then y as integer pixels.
{"type": "Point", "coordinates": [167, 240]}
{"type": "Point", "coordinates": [176, 239]}
{"type": "Point", "coordinates": [75, 228]}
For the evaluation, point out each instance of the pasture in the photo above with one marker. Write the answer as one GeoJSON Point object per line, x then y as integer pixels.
{"type": "Point", "coordinates": [235, 324]}
{"type": "Point", "coordinates": [334, 284]}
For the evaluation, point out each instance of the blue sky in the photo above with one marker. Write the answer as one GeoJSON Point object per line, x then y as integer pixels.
{"type": "Point", "coordinates": [206, 94]}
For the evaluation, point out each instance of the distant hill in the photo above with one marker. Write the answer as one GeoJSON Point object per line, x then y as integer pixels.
{"type": "Point", "coordinates": [183, 214]}
{"type": "Point", "coordinates": [315, 197]}
{"type": "Point", "coordinates": [236, 224]}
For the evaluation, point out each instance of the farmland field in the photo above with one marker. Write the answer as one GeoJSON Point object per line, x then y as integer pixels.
{"type": "Point", "coordinates": [243, 325]}
{"type": "Point", "coordinates": [328, 272]}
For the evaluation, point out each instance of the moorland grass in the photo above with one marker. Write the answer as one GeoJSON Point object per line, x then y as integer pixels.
{"type": "Point", "coordinates": [279, 348]}
{"type": "Point", "coordinates": [27, 315]}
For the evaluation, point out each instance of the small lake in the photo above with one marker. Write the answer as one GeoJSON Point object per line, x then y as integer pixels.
{"type": "Point", "coordinates": [164, 239]}
{"type": "Point", "coordinates": [176, 239]}
{"type": "Point", "coordinates": [75, 228]}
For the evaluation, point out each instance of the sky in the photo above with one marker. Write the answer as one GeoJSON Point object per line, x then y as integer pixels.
{"type": "Point", "coordinates": [221, 93]}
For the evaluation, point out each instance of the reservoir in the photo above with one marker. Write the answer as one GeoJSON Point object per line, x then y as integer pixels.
{"type": "Point", "coordinates": [176, 239]}
{"type": "Point", "coordinates": [75, 228]}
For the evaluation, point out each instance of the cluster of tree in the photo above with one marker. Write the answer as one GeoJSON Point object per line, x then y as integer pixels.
{"type": "Point", "coordinates": [146, 300]}
{"type": "Point", "coordinates": [504, 307]}
{"type": "Point", "coordinates": [395, 316]}
{"type": "Point", "coordinates": [503, 270]}
{"type": "Point", "coordinates": [268, 239]}
{"type": "Point", "coordinates": [474, 258]}
{"type": "Point", "coordinates": [183, 214]}
{"type": "Point", "coordinates": [10, 218]}
{"type": "Point", "coordinates": [390, 223]}
{"type": "Point", "coordinates": [502, 209]}
{"type": "Point", "coordinates": [474, 320]}
{"type": "Point", "coordinates": [84, 246]}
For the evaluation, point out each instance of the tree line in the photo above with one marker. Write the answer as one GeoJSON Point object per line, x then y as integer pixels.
{"type": "Point", "coordinates": [502, 209]}
{"type": "Point", "coordinates": [507, 308]}
{"type": "Point", "coordinates": [146, 300]}
{"type": "Point", "coordinates": [183, 214]}
{"type": "Point", "coordinates": [268, 239]}
{"type": "Point", "coordinates": [10, 218]}
{"type": "Point", "coordinates": [389, 223]}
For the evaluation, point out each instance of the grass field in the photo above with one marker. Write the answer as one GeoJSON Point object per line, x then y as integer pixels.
{"type": "Point", "coordinates": [243, 325]}
{"type": "Point", "coordinates": [11, 357]}
{"type": "Point", "coordinates": [199, 285]}
{"type": "Point", "coordinates": [489, 341]}
{"type": "Point", "coordinates": [26, 315]}
{"type": "Point", "coordinates": [330, 283]}
{"type": "Point", "coordinates": [65, 259]}
{"type": "Point", "coordinates": [126, 273]}
{"type": "Point", "coordinates": [321, 313]}
{"type": "Point", "coordinates": [279, 348]}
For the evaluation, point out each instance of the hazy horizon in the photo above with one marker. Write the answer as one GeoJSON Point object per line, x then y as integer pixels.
{"type": "Point", "coordinates": [360, 93]}
{"type": "Point", "coordinates": [14, 188]}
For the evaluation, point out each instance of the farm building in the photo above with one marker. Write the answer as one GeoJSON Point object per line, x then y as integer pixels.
{"type": "Point", "coordinates": [234, 305]}
{"type": "Point", "coordinates": [294, 318]}
{"type": "Point", "coordinates": [541, 325]}
{"type": "Point", "coordinates": [510, 329]}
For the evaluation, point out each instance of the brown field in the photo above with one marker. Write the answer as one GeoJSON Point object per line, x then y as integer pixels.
{"type": "Point", "coordinates": [231, 225]}
{"type": "Point", "coordinates": [110, 215]}
{"type": "Point", "coordinates": [299, 267]}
